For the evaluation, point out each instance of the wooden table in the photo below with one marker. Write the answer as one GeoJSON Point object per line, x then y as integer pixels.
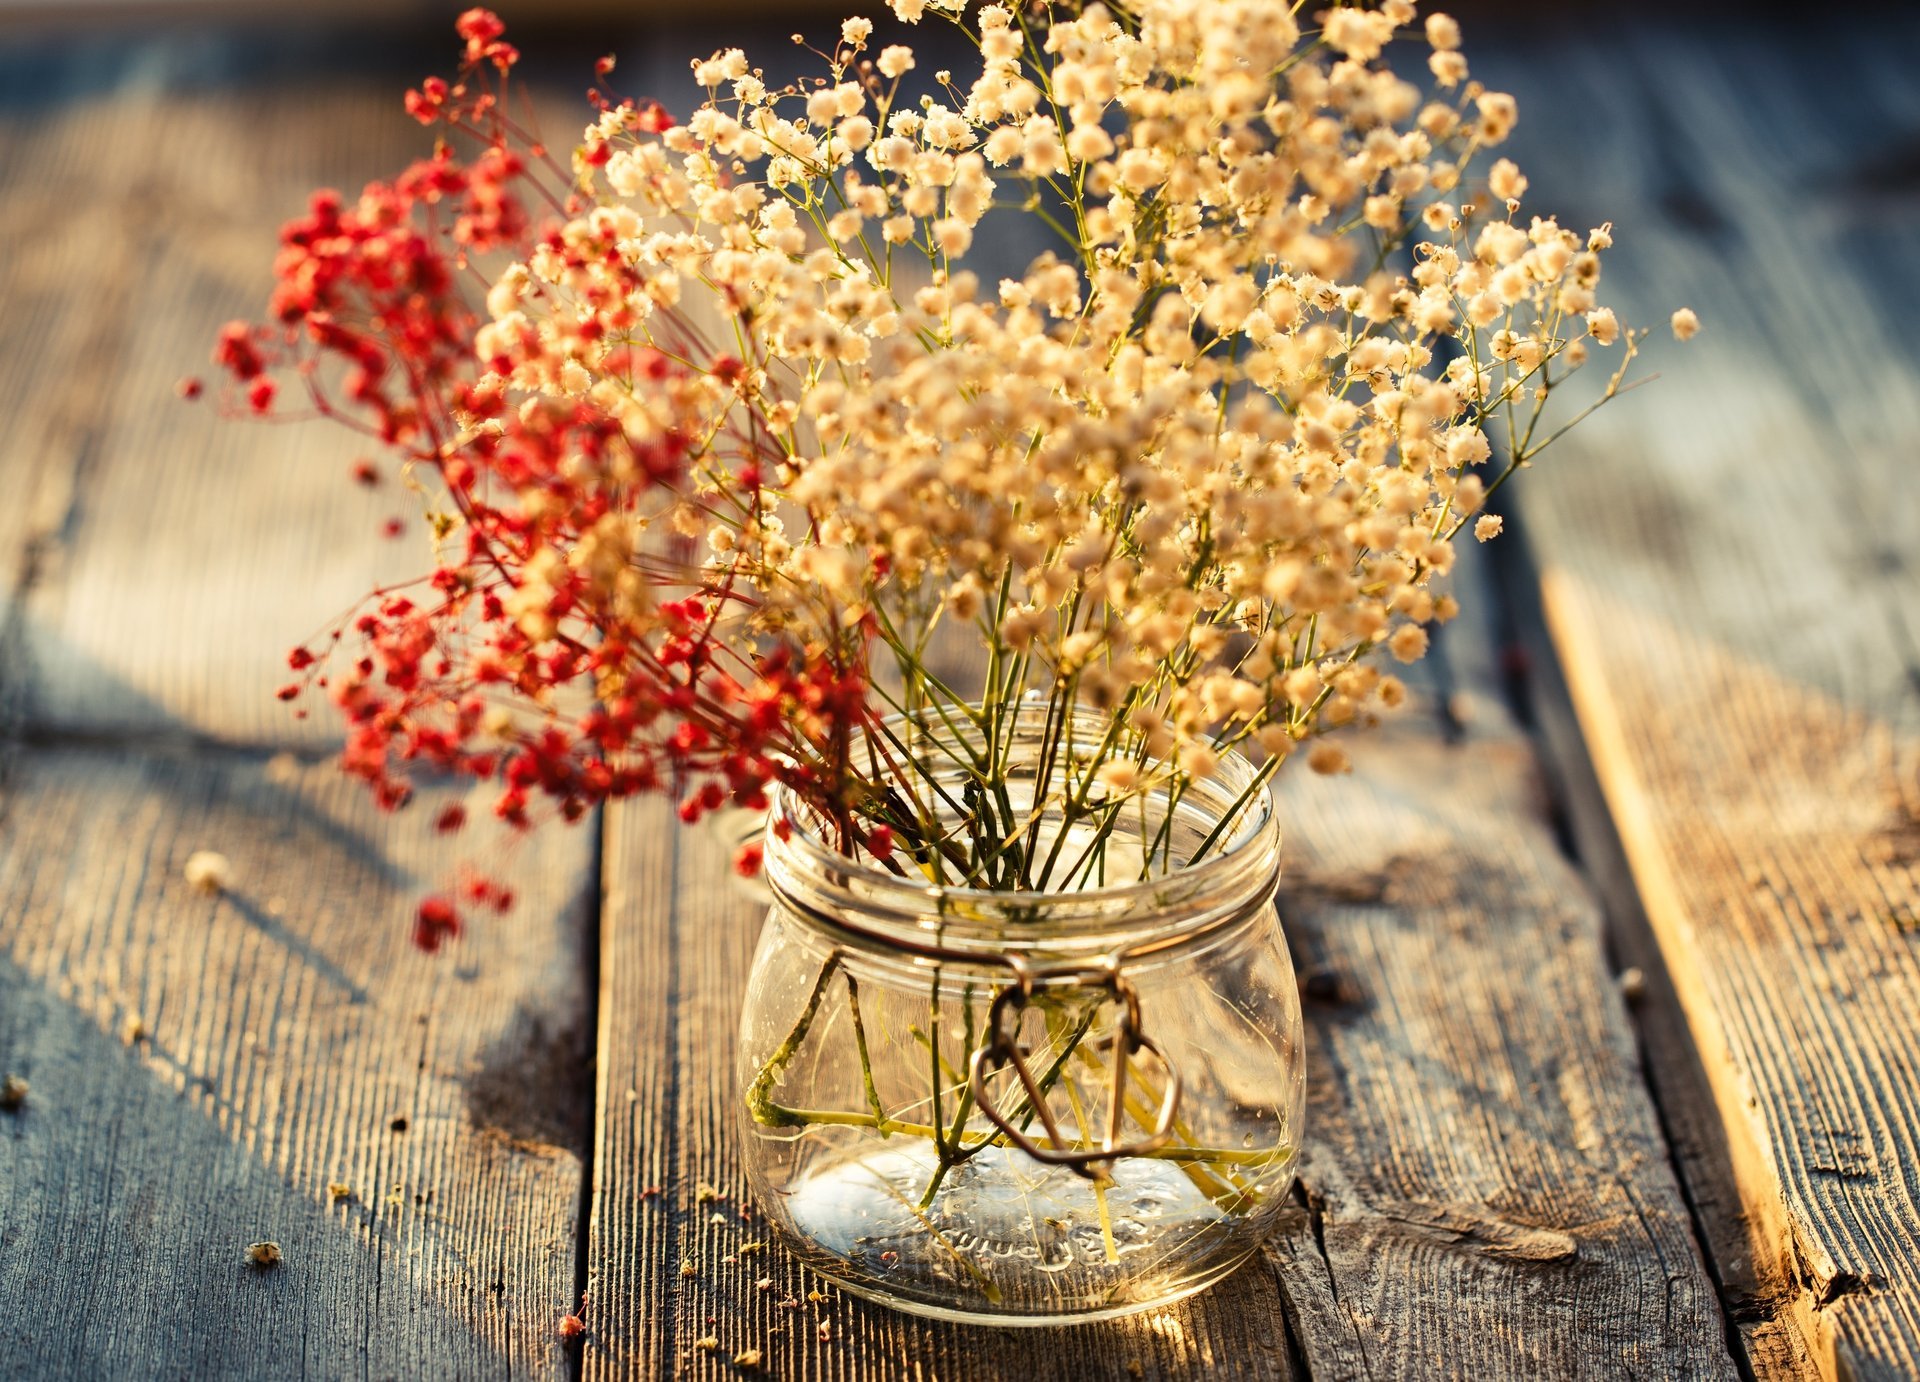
{"type": "Point", "coordinates": [1610, 949]}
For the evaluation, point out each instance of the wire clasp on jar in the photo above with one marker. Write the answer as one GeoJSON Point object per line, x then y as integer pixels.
{"type": "Point", "coordinates": [1002, 1049]}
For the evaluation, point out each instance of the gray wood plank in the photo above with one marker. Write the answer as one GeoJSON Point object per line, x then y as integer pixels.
{"type": "Point", "coordinates": [1728, 570]}
{"type": "Point", "coordinates": [159, 561]}
{"type": "Point", "coordinates": [203, 1068]}
{"type": "Point", "coordinates": [1488, 1191]}
{"type": "Point", "coordinates": [1763, 1305]}
{"type": "Point", "coordinates": [174, 556]}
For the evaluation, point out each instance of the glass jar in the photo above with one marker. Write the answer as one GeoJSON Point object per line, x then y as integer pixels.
{"type": "Point", "coordinates": [1027, 1107]}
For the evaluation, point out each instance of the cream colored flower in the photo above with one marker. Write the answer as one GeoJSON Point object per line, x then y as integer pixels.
{"type": "Point", "coordinates": [1329, 759]}
{"type": "Point", "coordinates": [895, 60]}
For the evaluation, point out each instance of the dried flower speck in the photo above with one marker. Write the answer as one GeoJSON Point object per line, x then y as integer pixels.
{"type": "Point", "coordinates": [209, 871]}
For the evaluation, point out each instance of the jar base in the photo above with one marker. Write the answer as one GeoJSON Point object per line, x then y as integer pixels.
{"type": "Point", "coordinates": [1009, 1242]}
{"type": "Point", "coordinates": [908, 1305]}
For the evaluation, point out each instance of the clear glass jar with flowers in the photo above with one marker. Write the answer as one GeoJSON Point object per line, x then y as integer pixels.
{"type": "Point", "coordinates": [1001, 602]}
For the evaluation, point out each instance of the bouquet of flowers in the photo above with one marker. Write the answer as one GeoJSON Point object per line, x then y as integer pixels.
{"type": "Point", "coordinates": [1009, 598]}
{"type": "Point", "coordinates": [719, 439]}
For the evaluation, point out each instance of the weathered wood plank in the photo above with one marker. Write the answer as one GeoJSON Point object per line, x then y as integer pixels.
{"type": "Point", "coordinates": [1728, 565]}
{"type": "Point", "coordinates": [202, 1068]}
{"type": "Point", "coordinates": [1487, 1189]}
{"type": "Point", "coordinates": [1756, 1289]}
{"type": "Point", "coordinates": [174, 555]}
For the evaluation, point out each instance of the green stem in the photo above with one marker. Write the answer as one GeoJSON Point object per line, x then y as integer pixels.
{"type": "Point", "coordinates": [840, 1118]}
{"type": "Point", "coordinates": [760, 1092]}
{"type": "Point", "coordinates": [866, 1065]}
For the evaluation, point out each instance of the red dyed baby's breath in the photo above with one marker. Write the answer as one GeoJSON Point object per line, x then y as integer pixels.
{"type": "Point", "coordinates": [373, 322]}
{"type": "Point", "coordinates": [435, 923]}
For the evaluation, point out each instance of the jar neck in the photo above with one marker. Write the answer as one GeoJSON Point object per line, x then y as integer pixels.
{"type": "Point", "coordinates": [860, 905]}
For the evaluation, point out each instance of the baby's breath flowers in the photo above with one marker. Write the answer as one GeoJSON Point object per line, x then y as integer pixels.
{"type": "Point", "coordinates": [718, 429]}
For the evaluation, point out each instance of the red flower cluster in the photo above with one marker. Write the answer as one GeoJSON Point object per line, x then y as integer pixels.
{"type": "Point", "coordinates": [547, 653]}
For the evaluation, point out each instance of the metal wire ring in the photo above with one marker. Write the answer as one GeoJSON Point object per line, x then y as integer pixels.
{"type": "Point", "coordinates": [1002, 1050]}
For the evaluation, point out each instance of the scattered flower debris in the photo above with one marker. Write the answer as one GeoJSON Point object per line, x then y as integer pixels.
{"type": "Point", "coordinates": [704, 1192]}
{"type": "Point", "coordinates": [209, 871]}
{"type": "Point", "coordinates": [13, 1092]}
{"type": "Point", "coordinates": [710, 1343]}
{"type": "Point", "coordinates": [687, 1268]}
{"type": "Point", "coordinates": [338, 1190]}
{"type": "Point", "coordinates": [765, 1283]}
{"type": "Point", "coordinates": [572, 1327]}
{"type": "Point", "coordinates": [748, 1249]}
{"type": "Point", "coordinates": [263, 1255]}
{"type": "Point", "coordinates": [826, 1332]}
{"type": "Point", "coordinates": [748, 1358]}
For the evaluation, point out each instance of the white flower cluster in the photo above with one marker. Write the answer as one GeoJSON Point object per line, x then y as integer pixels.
{"type": "Point", "coordinates": [1193, 470]}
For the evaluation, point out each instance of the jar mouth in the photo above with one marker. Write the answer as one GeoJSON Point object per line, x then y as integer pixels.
{"type": "Point", "coordinates": [859, 899]}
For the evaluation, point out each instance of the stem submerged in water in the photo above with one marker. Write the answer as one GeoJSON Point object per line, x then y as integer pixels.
{"type": "Point", "coordinates": [1217, 1172]}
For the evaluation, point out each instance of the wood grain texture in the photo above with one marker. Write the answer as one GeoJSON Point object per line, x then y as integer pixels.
{"type": "Point", "coordinates": [172, 556]}
{"type": "Point", "coordinates": [1487, 1190]}
{"type": "Point", "coordinates": [1729, 568]}
{"type": "Point", "coordinates": [288, 1037]}
{"type": "Point", "coordinates": [203, 1069]}
{"type": "Point", "coordinates": [1764, 1307]}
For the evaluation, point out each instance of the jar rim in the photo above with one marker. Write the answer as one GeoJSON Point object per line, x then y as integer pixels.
{"type": "Point", "coordinates": [804, 870]}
